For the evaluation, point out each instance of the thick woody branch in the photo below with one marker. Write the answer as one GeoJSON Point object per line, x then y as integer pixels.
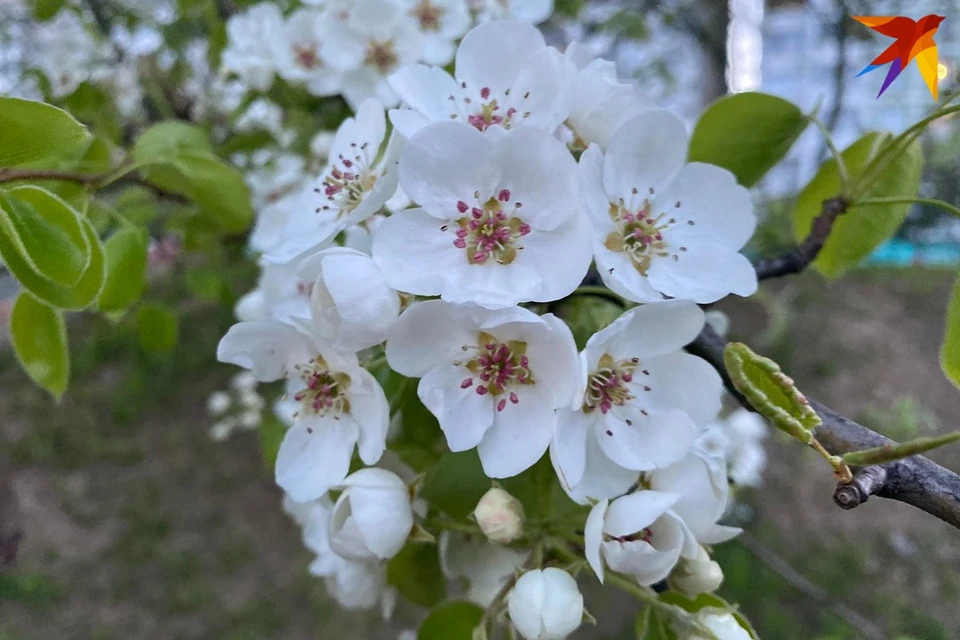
{"type": "Point", "coordinates": [915, 480]}
{"type": "Point", "coordinates": [797, 259]}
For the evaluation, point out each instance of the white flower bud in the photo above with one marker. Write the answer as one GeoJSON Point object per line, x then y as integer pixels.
{"type": "Point", "coordinates": [694, 576]}
{"type": "Point", "coordinates": [500, 516]}
{"type": "Point", "coordinates": [723, 626]}
{"type": "Point", "coordinates": [545, 605]}
{"type": "Point", "coordinates": [218, 403]}
{"type": "Point", "coordinates": [373, 516]}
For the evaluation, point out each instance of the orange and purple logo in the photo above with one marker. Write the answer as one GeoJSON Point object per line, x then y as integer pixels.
{"type": "Point", "coordinates": [914, 40]}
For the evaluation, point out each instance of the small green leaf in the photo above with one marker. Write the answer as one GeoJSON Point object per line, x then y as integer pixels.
{"type": "Point", "coordinates": [39, 338]}
{"type": "Point", "coordinates": [860, 230]}
{"type": "Point", "coordinates": [451, 621]}
{"type": "Point", "coordinates": [33, 131]}
{"type": "Point", "coordinates": [218, 189]}
{"type": "Point", "coordinates": [950, 351]}
{"type": "Point", "coordinates": [416, 574]}
{"type": "Point", "coordinates": [159, 328]}
{"type": "Point", "coordinates": [166, 141]}
{"type": "Point", "coordinates": [69, 298]}
{"type": "Point", "coordinates": [746, 133]}
{"type": "Point", "coordinates": [45, 10]}
{"type": "Point", "coordinates": [770, 391]}
{"type": "Point", "coordinates": [205, 282]}
{"type": "Point", "coordinates": [896, 451]}
{"type": "Point", "coordinates": [126, 258]}
{"type": "Point", "coordinates": [456, 483]}
{"type": "Point", "coordinates": [47, 233]}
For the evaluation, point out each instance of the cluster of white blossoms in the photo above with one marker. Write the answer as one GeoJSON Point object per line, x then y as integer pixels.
{"type": "Point", "coordinates": [351, 47]}
{"type": "Point", "coordinates": [524, 168]}
{"type": "Point", "coordinates": [238, 408]}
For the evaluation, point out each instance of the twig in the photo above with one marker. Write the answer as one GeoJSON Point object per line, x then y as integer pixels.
{"type": "Point", "coordinates": [782, 568]}
{"type": "Point", "coordinates": [797, 259]}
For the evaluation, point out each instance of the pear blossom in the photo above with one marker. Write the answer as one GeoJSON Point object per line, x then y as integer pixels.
{"type": "Point", "coordinates": [486, 566]}
{"type": "Point", "coordinates": [66, 53]}
{"type": "Point", "coordinates": [341, 404]}
{"type": "Point", "coordinates": [545, 604]}
{"type": "Point", "coordinates": [639, 535]}
{"type": "Point", "coordinates": [372, 517]}
{"type": "Point", "coordinates": [662, 227]}
{"type": "Point", "coordinates": [442, 23]}
{"type": "Point", "coordinates": [500, 516]}
{"type": "Point", "coordinates": [601, 103]}
{"type": "Point", "coordinates": [250, 38]}
{"type": "Point", "coordinates": [532, 11]}
{"type": "Point", "coordinates": [358, 180]}
{"type": "Point", "coordinates": [280, 295]}
{"type": "Point", "coordinates": [218, 403]}
{"type": "Point", "coordinates": [644, 400]}
{"type": "Point", "coordinates": [505, 75]}
{"type": "Point", "coordinates": [693, 576]}
{"type": "Point", "coordinates": [301, 52]}
{"type": "Point", "coordinates": [498, 223]}
{"type": "Point", "coordinates": [700, 483]}
{"type": "Point", "coordinates": [493, 378]}
{"type": "Point", "coordinates": [352, 305]}
{"type": "Point", "coordinates": [283, 175]}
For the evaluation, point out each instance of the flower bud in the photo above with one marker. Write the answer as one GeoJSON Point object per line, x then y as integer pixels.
{"type": "Point", "coordinates": [373, 516]}
{"type": "Point", "coordinates": [500, 516]}
{"type": "Point", "coordinates": [545, 605]}
{"type": "Point", "coordinates": [722, 625]}
{"type": "Point", "coordinates": [694, 576]}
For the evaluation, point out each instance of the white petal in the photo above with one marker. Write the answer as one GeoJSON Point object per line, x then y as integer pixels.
{"type": "Point", "coordinates": [407, 121]}
{"type": "Point", "coordinates": [543, 90]}
{"type": "Point", "coordinates": [446, 163]}
{"type": "Point", "coordinates": [593, 199]}
{"type": "Point", "coordinates": [650, 330]}
{"type": "Point", "coordinates": [704, 273]}
{"type": "Point", "coordinates": [568, 451]}
{"type": "Point", "coordinates": [463, 414]}
{"type": "Point", "coordinates": [520, 433]}
{"type": "Point", "coordinates": [715, 534]}
{"type": "Point", "coordinates": [491, 285]}
{"type": "Point", "coordinates": [645, 563]}
{"type": "Point", "coordinates": [426, 90]}
{"type": "Point", "coordinates": [562, 610]}
{"type": "Point", "coordinates": [602, 477]}
{"type": "Point", "coordinates": [645, 154]}
{"type": "Point", "coordinates": [639, 442]}
{"type": "Point", "coordinates": [636, 511]}
{"type": "Point", "coordinates": [315, 455]}
{"type": "Point", "coordinates": [370, 409]}
{"type": "Point", "coordinates": [269, 349]}
{"type": "Point", "coordinates": [367, 305]}
{"type": "Point", "coordinates": [491, 55]}
{"type": "Point", "coordinates": [593, 536]}
{"type": "Point", "coordinates": [679, 381]}
{"type": "Point", "coordinates": [526, 602]}
{"type": "Point", "coordinates": [427, 335]}
{"type": "Point", "coordinates": [383, 517]}
{"type": "Point", "coordinates": [619, 274]}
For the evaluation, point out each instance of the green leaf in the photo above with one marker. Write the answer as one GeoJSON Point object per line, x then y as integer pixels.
{"type": "Point", "coordinates": [586, 315]}
{"type": "Point", "coordinates": [456, 483]}
{"type": "Point", "coordinates": [416, 574]}
{"type": "Point", "coordinates": [860, 230]}
{"type": "Point", "coordinates": [770, 391]}
{"type": "Point", "coordinates": [896, 451]}
{"type": "Point", "coordinates": [33, 131]}
{"type": "Point", "coordinates": [159, 328]}
{"type": "Point", "coordinates": [45, 10]}
{"type": "Point", "coordinates": [137, 204]}
{"type": "Point", "coordinates": [451, 621]}
{"type": "Point", "coordinates": [218, 189]}
{"type": "Point", "coordinates": [205, 282]}
{"type": "Point", "coordinates": [73, 298]}
{"type": "Point", "coordinates": [39, 338]}
{"type": "Point", "coordinates": [126, 258]}
{"type": "Point", "coordinates": [166, 141]}
{"type": "Point", "coordinates": [950, 351]}
{"type": "Point", "coordinates": [46, 232]}
{"type": "Point", "coordinates": [746, 133]}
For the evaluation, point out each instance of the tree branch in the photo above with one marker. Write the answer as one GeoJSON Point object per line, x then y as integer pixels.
{"type": "Point", "coordinates": [916, 480]}
{"type": "Point", "coordinates": [797, 259]}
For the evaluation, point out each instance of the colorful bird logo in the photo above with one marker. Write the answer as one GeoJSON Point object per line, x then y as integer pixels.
{"type": "Point", "coordinates": [914, 40]}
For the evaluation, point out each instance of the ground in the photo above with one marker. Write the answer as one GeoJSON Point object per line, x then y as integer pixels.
{"type": "Point", "coordinates": [139, 527]}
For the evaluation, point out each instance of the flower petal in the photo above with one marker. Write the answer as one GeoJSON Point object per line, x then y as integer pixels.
{"type": "Point", "coordinates": [463, 414]}
{"type": "Point", "coordinates": [568, 451]}
{"type": "Point", "coordinates": [492, 54]}
{"type": "Point", "coordinates": [520, 434]}
{"type": "Point", "coordinates": [636, 511]}
{"type": "Point", "coordinates": [639, 442]}
{"type": "Point", "coordinates": [593, 537]}
{"type": "Point", "coordinates": [645, 153]}
{"type": "Point", "coordinates": [679, 381]}
{"type": "Point", "coordinates": [315, 455]}
{"type": "Point", "coordinates": [704, 273]}
{"type": "Point", "coordinates": [268, 348]}
{"type": "Point", "coordinates": [650, 330]}
{"type": "Point", "coordinates": [427, 335]}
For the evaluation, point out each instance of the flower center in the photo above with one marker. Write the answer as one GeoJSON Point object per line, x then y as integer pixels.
{"type": "Point", "coordinates": [640, 234]}
{"type": "Point", "coordinates": [324, 390]}
{"type": "Point", "coordinates": [306, 56]}
{"type": "Point", "coordinates": [348, 180]}
{"type": "Point", "coordinates": [608, 384]}
{"type": "Point", "coordinates": [428, 14]}
{"type": "Point", "coordinates": [643, 535]}
{"type": "Point", "coordinates": [488, 232]}
{"type": "Point", "coordinates": [500, 368]}
{"type": "Point", "coordinates": [381, 56]}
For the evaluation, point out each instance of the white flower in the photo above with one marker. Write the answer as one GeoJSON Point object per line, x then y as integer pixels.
{"type": "Point", "coordinates": [746, 458]}
{"type": "Point", "coordinates": [66, 53]}
{"type": "Point", "coordinates": [601, 103]}
{"type": "Point", "coordinates": [532, 11]}
{"type": "Point", "coordinates": [218, 403]}
{"type": "Point", "coordinates": [352, 305]}
{"type": "Point", "coordinates": [250, 38]}
{"type": "Point", "coordinates": [441, 22]}
{"type": "Point", "coordinates": [265, 115]}
{"type": "Point", "coordinates": [300, 52]}
{"type": "Point", "coordinates": [694, 576]}
{"type": "Point", "coordinates": [221, 430]}
{"type": "Point", "coordinates": [499, 222]}
{"type": "Point", "coordinates": [505, 75]}
{"type": "Point", "coordinates": [699, 481]}
{"type": "Point", "coordinates": [665, 228]}
{"type": "Point", "coordinates": [378, 38]}
{"type": "Point", "coordinates": [282, 176]}
{"type": "Point", "coordinates": [342, 405]}
{"type": "Point", "coordinates": [244, 382]}
{"type": "Point", "coordinates": [500, 516]}
{"type": "Point", "coordinates": [493, 379]}
{"type": "Point", "coordinates": [545, 604]}
{"type": "Point", "coordinates": [359, 179]}
{"type": "Point", "coordinates": [372, 517]}
{"type": "Point", "coordinates": [486, 566]}
{"type": "Point", "coordinates": [722, 625]}
{"type": "Point", "coordinates": [321, 144]}
{"type": "Point", "coordinates": [639, 535]}
{"type": "Point", "coordinates": [280, 295]}
{"type": "Point", "coordinates": [644, 399]}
